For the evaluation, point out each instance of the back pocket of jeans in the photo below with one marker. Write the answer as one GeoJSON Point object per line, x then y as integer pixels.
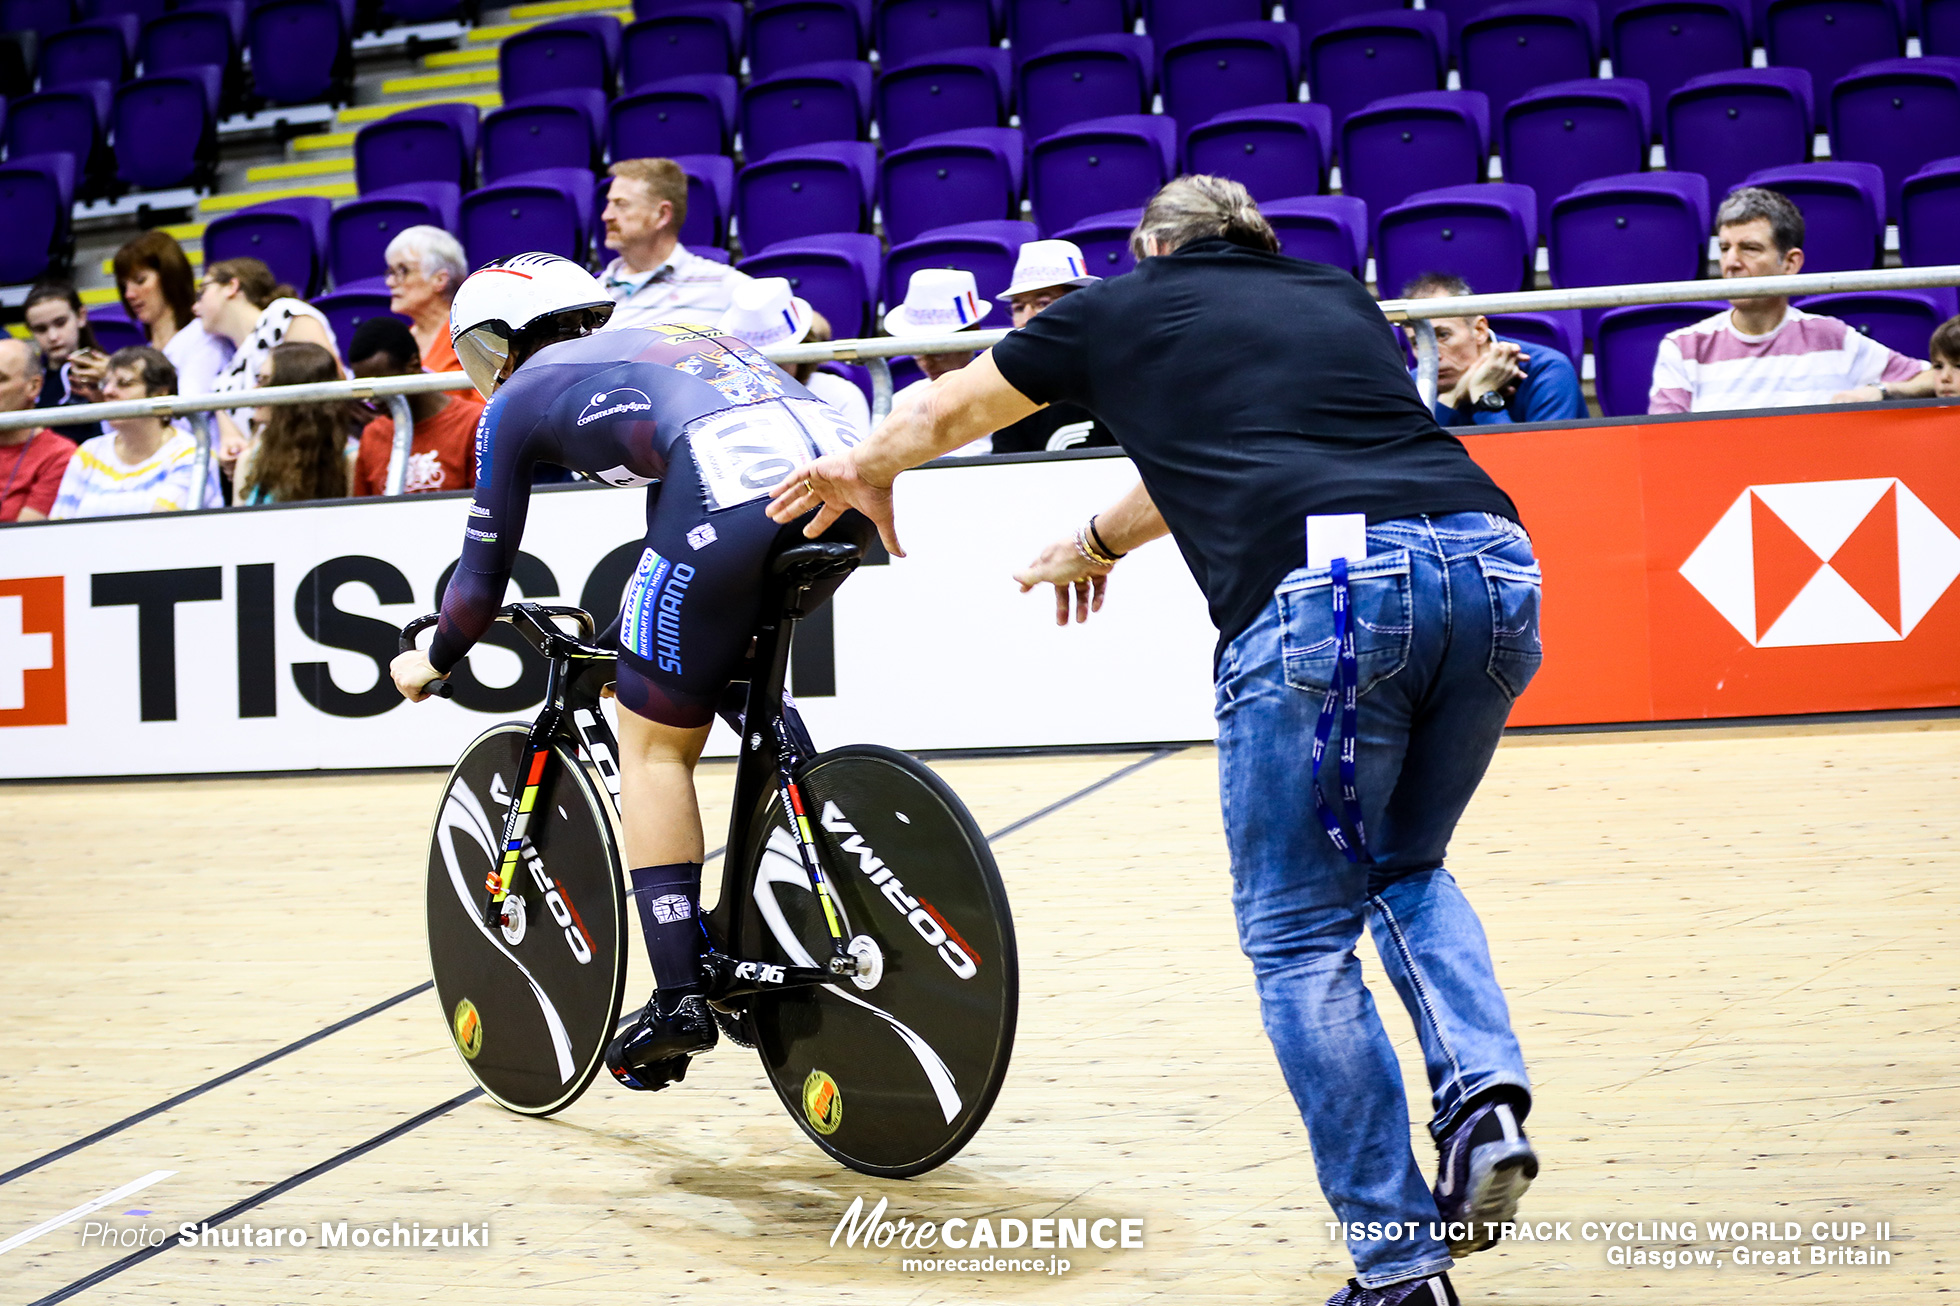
{"type": "Point", "coordinates": [1378, 607]}
{"type": "Point", "coordinates": [1515, 650]}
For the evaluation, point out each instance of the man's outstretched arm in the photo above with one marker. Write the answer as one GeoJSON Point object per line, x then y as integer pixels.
{"type": "Point", "coordinates": [1066, 564]}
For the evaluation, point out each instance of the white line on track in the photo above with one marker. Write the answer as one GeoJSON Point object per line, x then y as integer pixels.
{"type": "Point", "coordinates": [94, 1204]}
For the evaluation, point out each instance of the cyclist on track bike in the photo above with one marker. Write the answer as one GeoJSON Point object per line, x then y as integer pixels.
{"type": "Point", "coordinates": [708, 425]}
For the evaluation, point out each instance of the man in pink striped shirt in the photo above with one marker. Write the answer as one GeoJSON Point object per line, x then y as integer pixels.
{"type": "Point", "coordinates": [1763, 353]}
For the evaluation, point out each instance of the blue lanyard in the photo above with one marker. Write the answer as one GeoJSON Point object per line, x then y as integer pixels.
{"type": "Point", "coordinates": [1342, 692]}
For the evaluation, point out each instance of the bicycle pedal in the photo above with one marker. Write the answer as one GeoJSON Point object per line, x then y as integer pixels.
{"type": "Point", "coordinates": [734, 1027]}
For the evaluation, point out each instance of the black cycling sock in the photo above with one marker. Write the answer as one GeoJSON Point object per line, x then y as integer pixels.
{"type": "Point", "coordinates": [668, 896]}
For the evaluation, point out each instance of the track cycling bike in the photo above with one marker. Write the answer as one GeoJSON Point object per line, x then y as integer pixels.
{"type": "Point", "coordinates": [862, 942]}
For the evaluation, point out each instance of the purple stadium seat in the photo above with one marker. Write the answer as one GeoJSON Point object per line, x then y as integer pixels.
{"type": "Point", "coordinates": [1273, 150]}
{"type": "Point", "coordinates": [1324, 228]}
{"type": "Point", "coordinates": [1104, 240]}
{"type": "Point", "coordinates": [1486, 233]}
{"type": "Point", "coordinates": [837, 274]}
{"type": "Point", "coordinates": [1088, 77]}
{"type": "Point", "coordinates": [434, 143]}
{"type": "Point", "coordinates": [37, 192]}
{"type": "Point", "coordinates": [101, 50]}
{"type": "Point", "coordinates": [986, 249]}
{"type": "Point", "coordinates": [686, 40]}
{"type": "Point", "coordinates": [1312, 17]}
{"type": "Point", "coordinates": [710, 199]}
{"type": "Point", "coordinates": [1407, 143]}
{"type": "Point", "coordinates": [422, 11]}
{"type": "Point", "coordinates": [549, 210]}
{"type": "Point", "coordinates": [1899, 114]}
{"type": "Point", "coordinates": [114, 328]}
{"type": "Point", "coordinates": [1217, 69]}
{"type": "Point", "coordinates": [1843, 206]}
{"type": "Point", "coordinates": [1901, 320]}
{"type": "Point", "coordinates": [359, 230]}
{"type": "Point", "coordinates": [1664, 43]}
{"type": "Point", "coordinates": [806, 190]}
{"type": "Point", "coordinates": [1929, 215]}
{"type": "Point", "coordinates": [1625, 341]}
{"type": "Point", "coordinates": [349, 306]}
{"type": "Point", "coordinates": [1509, 49]}
{"type": "Point", "coordinates": [141, 10]}
{"type": "Point", "coordinates": [299, 50]}
{"type": "Point", "coordinates": [1171, 21]}
{"type": "Point", "coordinates": [1456, 14]}
{"type": "Point", "coordinates": [1558, 329]}
{"type": "Point", "coordinates": [1085, 168]}
{"type": "Point", "coordinates": [1829, 38]}
{"type": "Point", "coordinates": [1034, 26]}
{"type": "Point", "coordinates": [165, 128]}
{"type": "Point", "coordinates": [234, 12]}
{"type": "Point", "coordinates": [1558, 136]}
{"type": "Point", "coordinates": [786, 34]}
{"type": "Point", "coordinates": [44, 17]}
{"type": "Point", "coordinates": [817, 102]}
{"type": "Point", "coordinates": [289, 236]}
{"type": "Point", "coordinates": [72, 120]}
{"type": "Point", "coordinates": [1642, 226]}
{"type": "Point", "coordinates": [904, 30]}
{"type": "Point", "coordinates": [1726, 125]}
{"type": "Point", "coordinates": [950, 177]}
{"type": "Point", "coordinates": [189, 38]}
{"type": "Point", "coordinates": [682, 115]}
{"type": "Point", "coordinates": [1939, 28]}
{"type": "Point", "coordinates": [569, 54]}
{"type": "Point", "coordinates": [552, 129]}
{"type": "Point", "coordinates": [1359, 60]}
{"type": "Point", "coordinates": [943, 92]}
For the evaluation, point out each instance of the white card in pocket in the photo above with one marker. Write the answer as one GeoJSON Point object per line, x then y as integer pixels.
{"type": "Point", "coordinates": [1336, 535]}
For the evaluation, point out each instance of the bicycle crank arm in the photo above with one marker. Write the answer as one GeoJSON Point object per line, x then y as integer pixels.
{"type": "Point", "coordinates": [729, 977]}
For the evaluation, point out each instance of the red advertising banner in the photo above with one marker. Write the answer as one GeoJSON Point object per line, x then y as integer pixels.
{"type": "Point", "coordinates": [1752, 566]}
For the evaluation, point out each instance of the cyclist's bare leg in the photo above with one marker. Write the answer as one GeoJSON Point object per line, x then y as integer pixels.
{"type": "Point", "coordinates": [656, 790]}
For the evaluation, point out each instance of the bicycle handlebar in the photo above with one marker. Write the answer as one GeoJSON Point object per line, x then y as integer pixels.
{"type": "Point", "coordinates": [537, 627]}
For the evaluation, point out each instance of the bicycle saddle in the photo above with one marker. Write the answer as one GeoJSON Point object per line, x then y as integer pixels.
{"type": "Point", "coordinates": [806, 564]}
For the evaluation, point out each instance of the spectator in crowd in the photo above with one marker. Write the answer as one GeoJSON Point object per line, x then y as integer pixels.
{"type": "Point", "coordinates": [442, 455]}
{"type": "Point", "coordinates": [1945, 351]}
{"type": "Point", "coordinates": [301, 450]}
{"type": "Point", "coordinates": [1763, 353]}
{"type": "Point", "coordinates": [765, 314]}
{"type": "Point", "coordinates": [241, 301]}
{"type": "Point", "coordinates": [143, 464]}
{"type": "Point", "coordinates": [938, 302]}
{"type": "Point", "coordinates": [655, 278]}
{"type": "Point", "coordinates": [425, 265]}
{"type": "Point", "coordinates": [1044, 271]}
{"type": "Point", "coordinates": [72, 364]}
{"type": "Point", "coordinates": [1483, 379]}
{"type": "Point", "coordinates": [157, 288]}
{"type": "Point", "coordinates": [34, 456]}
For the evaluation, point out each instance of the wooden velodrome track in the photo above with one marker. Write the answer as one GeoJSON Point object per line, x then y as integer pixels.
{"type": "Point", "coordinates": [1729, 954]}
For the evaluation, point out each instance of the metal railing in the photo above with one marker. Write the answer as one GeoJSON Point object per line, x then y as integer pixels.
{"type": "Point", "coordinates": [874, 352]}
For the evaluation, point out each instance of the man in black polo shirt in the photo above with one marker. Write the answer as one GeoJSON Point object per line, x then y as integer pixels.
{"type": "Point", "coordinates": [1377, 607]}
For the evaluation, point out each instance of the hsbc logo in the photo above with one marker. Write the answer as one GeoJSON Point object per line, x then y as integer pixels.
{"type": "Point", "coordinates": [33, 662]}
{"type": "Point", "coordinates": [1825, 562]}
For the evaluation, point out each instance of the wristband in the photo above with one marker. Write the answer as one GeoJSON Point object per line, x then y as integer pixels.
{"type": "Point", "coordinates": [1101, 543]}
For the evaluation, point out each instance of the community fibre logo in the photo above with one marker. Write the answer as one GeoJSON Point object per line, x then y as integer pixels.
{"type": "Point", "coordinates": [1825, 562]}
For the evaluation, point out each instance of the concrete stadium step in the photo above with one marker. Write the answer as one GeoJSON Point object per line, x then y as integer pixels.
{"type": "Point", "coordinates": [421, 84]}
{"type": "Point", "coordinates": [361, 115]}
{"type": "Point", "coordinates": [330, 168]}
{"type": "Point", "coordinates": [212, 206]}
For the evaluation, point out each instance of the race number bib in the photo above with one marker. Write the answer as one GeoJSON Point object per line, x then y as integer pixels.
{"type": "Point", "coordinates": [742, 453]}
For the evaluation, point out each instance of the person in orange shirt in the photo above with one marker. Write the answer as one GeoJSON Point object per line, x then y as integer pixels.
{"type": "Point", "coordinates": [443, 454]}
{"type": "Point", "coordinates": [425, 266]}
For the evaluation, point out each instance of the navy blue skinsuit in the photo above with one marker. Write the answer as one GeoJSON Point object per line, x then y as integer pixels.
{"type": "Point", "coordinates": [710, 425]}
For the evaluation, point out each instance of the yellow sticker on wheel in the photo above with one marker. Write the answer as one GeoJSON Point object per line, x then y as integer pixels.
{"type": "Point", "coordinates": [823, 1105]}
{"type": "Point", "coordinates": [469, 1029]}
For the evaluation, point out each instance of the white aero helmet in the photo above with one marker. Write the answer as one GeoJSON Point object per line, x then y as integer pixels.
{"type": "Point", "coordinates": [501, 301]}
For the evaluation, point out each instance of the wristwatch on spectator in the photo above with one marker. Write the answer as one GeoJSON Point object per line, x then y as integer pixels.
{"type": "Point", "coordinates": [1884, 392]}
{"type": "Point", "coordinates": [1490, 401]}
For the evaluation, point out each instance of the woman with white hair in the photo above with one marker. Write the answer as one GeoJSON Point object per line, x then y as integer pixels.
{"type": "Point", "coordinates": [425, 266]}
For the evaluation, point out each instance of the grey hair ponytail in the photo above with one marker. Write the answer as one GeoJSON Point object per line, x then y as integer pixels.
{"type": "Point", "coordinates": [1201, 208]}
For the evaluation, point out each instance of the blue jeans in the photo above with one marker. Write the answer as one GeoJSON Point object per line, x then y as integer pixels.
{"type": "Point", "coordinates": [1445, 613]}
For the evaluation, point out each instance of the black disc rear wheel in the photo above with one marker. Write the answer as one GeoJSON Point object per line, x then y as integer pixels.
{"type": "Point", "coordinates": [531, 1006]}
{"type": "Point", "coordinates": [894, 1078]}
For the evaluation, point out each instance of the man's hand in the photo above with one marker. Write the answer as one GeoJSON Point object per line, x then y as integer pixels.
{"type": "Point", "coordinates": [833, 485]}
{"type": "Point", "coordinates": [1495, 369]}
{"type": "Point", "coordinates": [413, 674]}
{"type": "Point", "coordinates": [86, 370]}
{"type": "Point", "coordinates": [1062, 565]}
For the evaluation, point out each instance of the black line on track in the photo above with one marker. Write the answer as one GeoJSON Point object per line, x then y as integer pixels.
{"type": "Point", "coordinates": [263, 1196]}
{"type": "Point", "coordinates": [442, 1109]}
{"type": "Point", "coordinates": [209, 1084]}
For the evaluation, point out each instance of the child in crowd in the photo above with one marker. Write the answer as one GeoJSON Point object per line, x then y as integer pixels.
{"type": "Point", "coordinates": [301, 452]}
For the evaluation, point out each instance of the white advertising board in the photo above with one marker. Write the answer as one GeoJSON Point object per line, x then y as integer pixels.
{"type": "Point", "coordinates": [257, 639]}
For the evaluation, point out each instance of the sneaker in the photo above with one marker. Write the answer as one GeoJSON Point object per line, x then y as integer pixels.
{"type": "Point", "coordinates": [654, 1050]}
{"type": "Point", "coordinates": [1485, 1166]}
{"type": "Point", "coordinates": [1432, 1291]}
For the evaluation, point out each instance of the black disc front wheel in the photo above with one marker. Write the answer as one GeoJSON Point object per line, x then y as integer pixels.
{"type": "Point", "coordinates": [893, 1072]}
{"type": "Point", "coordinates": [530, 1005]}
